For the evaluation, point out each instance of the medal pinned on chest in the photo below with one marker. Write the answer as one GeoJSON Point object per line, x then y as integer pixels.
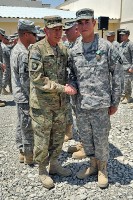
{"type": "Point", "coordinates": [98, 55]}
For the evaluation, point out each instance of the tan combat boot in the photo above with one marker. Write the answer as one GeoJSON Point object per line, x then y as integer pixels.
{"type": "Point", "coordinates": [92, 170]}
{"type": "Point", "coordinates": [56, 168]}
{"type": "Point", "coordinates": [28, 159]}
{"type": "Point", "coordinates": [21, 157]}
{"type": "Point", "coordinates": [126, 99]}
{"type": "Point", "coordinates": [44, 176]}
{"type": "Point", "coordinates": [69, 134]}
{"type": "Point", "coordinates": [79, 154]}
{"type": "Point", "coordinates": [4, 91]}
{"type": "Point", "coordinates": [2, 103]}
{"type": "Point", "coordinates": [74, 148]}
{"type": "Point", "coordinates": [102, 174]}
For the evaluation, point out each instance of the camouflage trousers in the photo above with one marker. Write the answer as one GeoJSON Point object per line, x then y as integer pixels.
{"type": "Point", "coordinates": [24, 132]}
{"type": "Point", "coordinates": [94, 126]}
{"type": "Point", "coordinates": [6, 78]}
{"type": "Point", "coordinates": [128, 81]}
{"type": "Point", "coordinates": [69, 117]}
{"type": "Point", "coordinates": [1, 76]}
{"type": "Point", "coordinates": [49, 131]}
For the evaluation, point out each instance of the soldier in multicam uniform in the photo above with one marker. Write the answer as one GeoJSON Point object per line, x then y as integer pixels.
{"type": "Point", "coordinates": [21, 87]}
{"type": "Point", "coordinates": [47, 65]}
{"type": "Point", "coordinates": [126, 49]}
{"type": "Point", "coordinates": [73, 35]}
{"type": "Point", "coordinates": [91, 61]}
{"type": "Point", "coordinates": [111, 38]}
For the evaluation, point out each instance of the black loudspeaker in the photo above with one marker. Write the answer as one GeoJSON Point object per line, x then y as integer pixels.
{"type": "Point", "coordinates": [118, 35]}
{"type": "Point", "coordinates": [103, 23]}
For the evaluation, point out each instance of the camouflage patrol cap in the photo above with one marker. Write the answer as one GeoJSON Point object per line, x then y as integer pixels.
{"type": "Point", "coordinates": [110, 33]}
{"type": "Point", "coordinates": [26, 25]}
{"type": "Point", "coordinates": [2, 31]}
{"type": "Point", "coordinates": [125, 32]}
{"type": "Point", "coordinates": [85, 13]}
{"type": "Point", "coordinates": [6, 37]}
{"type": "Point", "coordinates": [52, 21]}
{"type": "Point", "coordinates": [41, 33]}
{"type": "Point", "coordinates": [69, 24]}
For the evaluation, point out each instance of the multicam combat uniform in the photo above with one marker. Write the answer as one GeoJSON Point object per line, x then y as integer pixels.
{"type": "Point", "coordinates": [21, 85]}
{"type": "Point", "coordinates": [90, 67]}
{"type": "Point", "coordinates": [47, 66]}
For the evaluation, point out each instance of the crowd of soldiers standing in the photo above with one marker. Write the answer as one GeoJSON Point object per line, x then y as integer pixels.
{"type": "Point", "coordinates": [51, 74]}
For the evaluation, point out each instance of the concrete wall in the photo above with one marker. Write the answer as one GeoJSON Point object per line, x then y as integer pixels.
{"type": "Point", "coordinates": [101, 7]}
{"type": "Point", "coordinates": [127, 16]}
{"type": "Point", "coordinates": [10, 25]}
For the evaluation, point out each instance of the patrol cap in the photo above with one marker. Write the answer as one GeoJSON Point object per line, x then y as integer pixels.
{"type": "Point", "coordinates": [125, 32]}
{"type": "Point", "coordinates": [2, 31]}
{"type": "Point", "coordinates": [110, 33]}
{"type": "Point", "coordinates": [6, 37]}
{"type": "Point", "coordinates": [69, 24]}
{"type": "Point", "coordinates": [41, 33]}
{"type": "Point", "coordinates": [85, 13]}
{"type": "Point", "coordinates": [26, 25]}
{"type": "Point", "coordinates": [52, 21]}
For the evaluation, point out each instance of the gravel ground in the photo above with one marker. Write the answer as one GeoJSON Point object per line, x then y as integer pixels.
{"type": "Point", "coordinates": [20, 182]}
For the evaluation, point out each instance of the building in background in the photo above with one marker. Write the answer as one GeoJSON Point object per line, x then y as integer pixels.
{"type": "Point", "coordinates": [120, 12]}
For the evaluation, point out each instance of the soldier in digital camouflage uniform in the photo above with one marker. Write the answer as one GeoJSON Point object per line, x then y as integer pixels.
{"type": "Point", "coordinates": [7, 73]}
{"type": "Point", "coordinates": [47, 65]}
{"type": "Point", "coordinates": [21, 87]}
{"type": "Point", "coordinates": [2, 63]}
{"type": "Point", "coordinates": [111, 38]}
{"type": "Point", "coordinates": [73, 35]}
{"type": "Point", "coordinates": [91, 61]}
{"type": "Point", "coordinates": [126, 49]}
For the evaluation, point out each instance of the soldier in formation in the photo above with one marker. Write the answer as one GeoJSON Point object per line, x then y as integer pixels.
{"type": "Point", "coordinates": [111, 38]}
{"type": "Point", "coordinates": [126, 49]}
{"type": "Point", "coordinates": [73, 35]}
{"type": "Point", "coordinates": [20, 86]}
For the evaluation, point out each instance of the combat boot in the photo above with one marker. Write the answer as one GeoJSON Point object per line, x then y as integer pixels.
{"type": "Point", "coordinates": [69, 134]}
{"type": "Point", "coordinates": [102, 174]}
{"type": "Point", "coordinates": [4, 91]}
{"type": "Point", "coordinates": [44, 176]}
{"type": "Point", "coordinates": [79, 154]}
{"type": "Point", "coordinates": [28, 159]}
{"type": "Point", "coordinates": [21, 157]}
{"type": "Point", "coordinates": [2, 103]}
{"type": "Point", "coordinates": [126, 99]}
{"type": "Point", "coordinates": [92, 170]}
{"type": "Point", "coordinates": [56, 168]}
{"type": "Point", "coordinates": [74, 148]}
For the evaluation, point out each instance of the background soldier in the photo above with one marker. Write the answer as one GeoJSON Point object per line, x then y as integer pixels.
{"type": "Point", "coordinates": [48, 62]}
{"type": "Point", "coordinates": [91, 61]}
{"type": "Point", "coordinates": [126, 49]}
{"type": "Point", "coordinates": [7, 73]}
{"type": "Point", "coordinates": [73, 34]}
{"type": "Point", "coordinates": [111, 38]}
{"type": "Point", "coordinates": [20, 86]}
{"type": "Point", "coordinates": [2, 63]}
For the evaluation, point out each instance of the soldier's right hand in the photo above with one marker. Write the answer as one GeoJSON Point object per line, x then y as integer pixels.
{"type": "Point", "coordinates": [3, 66]}
{"type": "Point", "coordinates": [70, 90]}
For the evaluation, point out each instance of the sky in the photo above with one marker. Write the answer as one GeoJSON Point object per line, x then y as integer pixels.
{"type": "Point", "coordinates": [53, 3]}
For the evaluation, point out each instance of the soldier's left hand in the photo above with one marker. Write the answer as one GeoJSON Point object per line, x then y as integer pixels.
{"type": "Point", "coordinates": [130, 70]}
{"type": "Point", "coordinates": [112, 110]}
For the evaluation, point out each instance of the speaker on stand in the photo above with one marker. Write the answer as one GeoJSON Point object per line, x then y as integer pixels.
{"type": "Point", "coordinates": [103, 23]}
